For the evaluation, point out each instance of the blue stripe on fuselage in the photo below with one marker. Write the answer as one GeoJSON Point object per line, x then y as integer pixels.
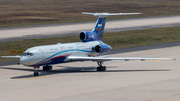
{"type": "Point", "coordinates": [53, 56]}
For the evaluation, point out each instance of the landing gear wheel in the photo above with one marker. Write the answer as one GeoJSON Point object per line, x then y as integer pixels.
{"type": "Point", "coordinates": [47, 67]}
{"type": "Point", "coordinates": [101, 68]}
{"type": "Point", "coordinates": [50, 67]}
{"type": "Point", "coordinates": [44, 68]}
{"type": "Point", "coordinates": [104, 68]}
{"type": "Point", "coordinates": [98, 68]}
{"type": "Point", "coordinates": [36, 73]}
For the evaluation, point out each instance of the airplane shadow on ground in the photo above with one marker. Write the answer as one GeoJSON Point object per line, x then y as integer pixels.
{"type": "Point", "coordinates": [67, 70]}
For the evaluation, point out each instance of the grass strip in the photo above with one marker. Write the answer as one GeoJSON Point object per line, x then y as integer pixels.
{"type": "Point", "coordinates": [117, 40]}
{"type": "Point", "coordinates": [15, 13]}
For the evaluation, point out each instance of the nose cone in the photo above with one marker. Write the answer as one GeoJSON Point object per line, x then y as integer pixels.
{"type": "Point", "coordinates": [24, 61]}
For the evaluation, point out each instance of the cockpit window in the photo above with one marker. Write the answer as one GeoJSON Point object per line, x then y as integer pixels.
{"type": "Point", "coordinates": [31, 54]}
{"type": "Point", "coordinates": [27, 54]}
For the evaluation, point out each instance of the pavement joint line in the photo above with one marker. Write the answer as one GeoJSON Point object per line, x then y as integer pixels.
{"type": "Point", "coordinates": [40, 77]}
{"type": "Point", "coordinates": [5, 80]}
{"type": "Point", "coordinates": [32, 35]}
{"type": "Point", "coordinates": [155, 60]}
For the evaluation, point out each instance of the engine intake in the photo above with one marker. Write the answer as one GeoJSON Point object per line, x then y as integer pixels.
{"type": "Point", "coordinates": [87, 36]}
{"type": "Point", "coordinates": [102, 48]}
{"type": "Point", "coordinates": [82, 36]}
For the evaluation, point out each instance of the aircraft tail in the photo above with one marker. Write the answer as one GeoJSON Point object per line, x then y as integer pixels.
{"type": "Point", "coordinates": [100, 23]}
{"type": "Point", "coordinates": [99, 28]}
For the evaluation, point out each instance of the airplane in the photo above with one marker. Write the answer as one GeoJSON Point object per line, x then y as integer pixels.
{"type": "Point", "coordinates": [87, 50]}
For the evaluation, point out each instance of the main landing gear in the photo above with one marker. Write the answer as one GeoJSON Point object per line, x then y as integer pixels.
{"type": "Point", "coordinates": [101, 68]}
{"type": "Point", "coordinates": [47, 67]}
{"type": "Point", "coordinates": [36, 73]}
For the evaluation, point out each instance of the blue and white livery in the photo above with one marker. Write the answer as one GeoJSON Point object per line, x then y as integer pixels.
{"type": "Point", "coordinates": [86, 50]}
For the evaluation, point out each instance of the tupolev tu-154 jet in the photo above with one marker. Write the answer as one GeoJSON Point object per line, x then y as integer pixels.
{"type": "Point", "coordinates": [86, 50]}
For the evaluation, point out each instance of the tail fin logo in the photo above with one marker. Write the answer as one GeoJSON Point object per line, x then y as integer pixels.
{"type": "Point", "coordinates": [99, 27]}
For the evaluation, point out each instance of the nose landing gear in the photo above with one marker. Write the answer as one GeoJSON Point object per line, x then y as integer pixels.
{"type": "Point", "coordinates": [101, 68]}
{"type": "Point", "coordinates": [36, 73]}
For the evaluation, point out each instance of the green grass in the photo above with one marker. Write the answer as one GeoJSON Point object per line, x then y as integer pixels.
{"type": "Point", "coordinates": [136, 38]}
{"type": "Point", "coordinates": [116, 40]}
{"type": "Point", "coordinates": [36, 12]}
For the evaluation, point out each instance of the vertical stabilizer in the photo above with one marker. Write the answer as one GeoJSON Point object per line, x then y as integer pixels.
{"type": "Point", "coordinates": [99, 28]}
{"type": "Point", "coordinates": [100, 23]}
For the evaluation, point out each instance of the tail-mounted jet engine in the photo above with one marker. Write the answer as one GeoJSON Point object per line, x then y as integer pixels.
{"type": "Point", "coordinates": [102, 48]}
{"type": "Point", "coordinates": [87, 36]}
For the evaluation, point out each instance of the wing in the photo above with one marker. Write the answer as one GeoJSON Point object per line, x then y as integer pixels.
{"type": "Point", "coordinates": [11, 56]}
{"type": "Point", "coordinates": [108, 58]}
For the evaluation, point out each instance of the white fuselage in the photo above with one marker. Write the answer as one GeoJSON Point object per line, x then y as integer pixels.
{"type": "Point", "coordinates": [53, 54]}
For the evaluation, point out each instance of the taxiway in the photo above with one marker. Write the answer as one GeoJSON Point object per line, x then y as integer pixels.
{"type": "Point", "coordinates": [79, 81]}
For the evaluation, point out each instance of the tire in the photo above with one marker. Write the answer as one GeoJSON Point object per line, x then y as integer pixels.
{"type": "Point", "coordinates": [44, 68]}
{"type": "Point", "coordinates": [50, 68]}
{"type": "Point", "coordinates": [98, 68]}
{"type": "Point", "coordinates": [36, 73]}
{"type": "Point", "coordinates": [104, 68]}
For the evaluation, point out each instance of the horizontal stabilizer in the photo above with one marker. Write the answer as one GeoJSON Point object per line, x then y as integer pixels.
{"type": "Point", "coordinates": [101, 15]}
